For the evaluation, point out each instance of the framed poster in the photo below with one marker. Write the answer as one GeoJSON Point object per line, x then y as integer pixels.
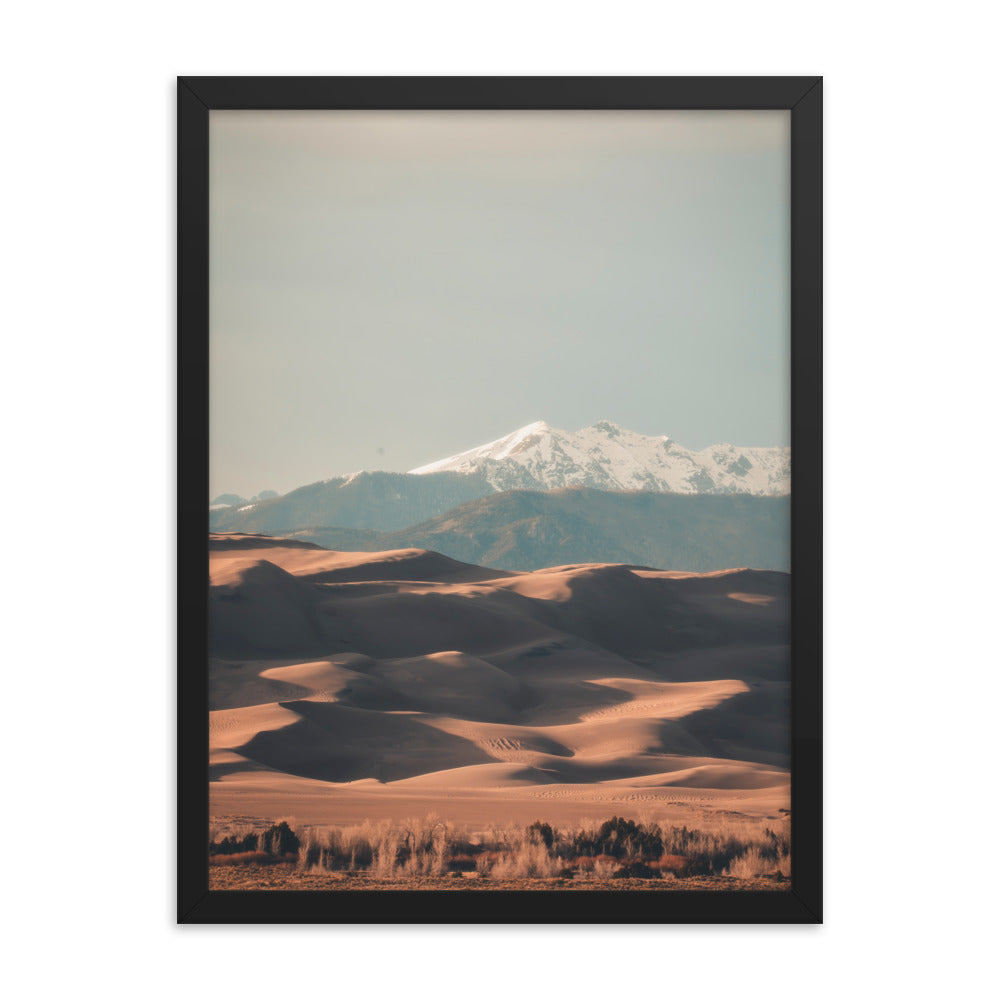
{"type": "Point", "coordinates": [480, 639]}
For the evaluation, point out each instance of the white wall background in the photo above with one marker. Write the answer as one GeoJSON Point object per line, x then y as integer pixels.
{"type": "Point", "coordinates": [88, 407]}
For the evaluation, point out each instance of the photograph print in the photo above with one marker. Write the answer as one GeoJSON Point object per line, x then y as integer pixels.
{"type": "Point", "coordinates": [499, 502]}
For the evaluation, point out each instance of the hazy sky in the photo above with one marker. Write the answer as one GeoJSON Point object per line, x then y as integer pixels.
{"type": "Point", "coordinates": [389, 288]}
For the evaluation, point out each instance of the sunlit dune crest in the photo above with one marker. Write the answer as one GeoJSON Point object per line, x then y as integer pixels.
{"type": "Point", "coordinates": [762, 599]}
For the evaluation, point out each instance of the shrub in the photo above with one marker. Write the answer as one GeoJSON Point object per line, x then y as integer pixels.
{"type": "Point", "coordinates": [244, 858]}
{"type": "Point", "coordinates": [279, 840]}
{"type": "Point", "coordinates": [709, 853]}
{"type": "Point", "coordinates": [532, 860]}
{"type": "Point", "coordinates": [385, 860]}
{"type": "Point", "coordinates": [677, 864]}
{"type": "Point", "coordinates": [588, 864]}
{"type": "Point", "coordinates": [235, 845]}
{"type": "Point", "coordinates": [604, 867]}
{"type": "Point", "coordinates": [424, 846]}
{"type": "Point", "coordinates": [541, 833]}
{"type": "Point", "coordinates": [754, 863]}
{"type": "Point", "coordinates": [635, 869]}
{"type": "Point", "coordinates": [621, 838]}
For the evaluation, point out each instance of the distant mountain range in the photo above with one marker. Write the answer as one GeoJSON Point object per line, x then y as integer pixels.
{"type": "Point", "coordinates": [235, 500]}
{"type": "Point", "coordinates": [541, 497]}
{"type": "Point", "coordinates": [528, 530]}
{"type": "Point", "coordinates": [383, 501]}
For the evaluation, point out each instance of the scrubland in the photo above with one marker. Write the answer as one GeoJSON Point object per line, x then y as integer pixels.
{"type": "Point", "coordinates": [433, 853]}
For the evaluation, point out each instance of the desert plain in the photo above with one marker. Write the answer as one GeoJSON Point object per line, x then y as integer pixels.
{"type": "Point", "coordinates": [349, 688]}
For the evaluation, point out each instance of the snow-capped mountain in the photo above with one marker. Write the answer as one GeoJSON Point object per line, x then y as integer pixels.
{"type": "Point", "coordinates": [608, 457]}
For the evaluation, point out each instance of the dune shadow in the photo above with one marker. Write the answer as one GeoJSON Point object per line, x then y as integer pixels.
{"type": "Point", "coordinates": [336, 742]}
{"type": "Point", "coordinates": [753, 726]}
{"type": "Point", "coordinates": [217, 771]}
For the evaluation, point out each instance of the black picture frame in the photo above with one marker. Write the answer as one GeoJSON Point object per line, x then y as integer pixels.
{"type": "Point", "coordinates": [196, 97]}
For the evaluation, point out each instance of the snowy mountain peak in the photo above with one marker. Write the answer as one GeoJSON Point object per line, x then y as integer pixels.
{"type": "Point", "coordinates": [607, 456]}
{"type": "Point", "coordinates": [608, 427]}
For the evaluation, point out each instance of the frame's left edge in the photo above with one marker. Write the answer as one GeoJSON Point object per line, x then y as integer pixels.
{"type": "Point", "coordinates": [192, 488]}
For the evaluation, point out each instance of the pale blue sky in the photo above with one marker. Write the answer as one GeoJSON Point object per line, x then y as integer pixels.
{"type": "Point", "coordinates": [388, 288]}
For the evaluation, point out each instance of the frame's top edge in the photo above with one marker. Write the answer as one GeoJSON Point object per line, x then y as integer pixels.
{"type": "Point", "coordinates": [499, 92]}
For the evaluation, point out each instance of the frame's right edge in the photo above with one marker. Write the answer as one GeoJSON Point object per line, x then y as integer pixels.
{"type": "Point", "coordinates": [807, 498]}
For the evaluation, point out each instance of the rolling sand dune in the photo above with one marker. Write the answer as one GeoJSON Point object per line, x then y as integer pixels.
{"type": "Point", "coordinates": [347, 686]}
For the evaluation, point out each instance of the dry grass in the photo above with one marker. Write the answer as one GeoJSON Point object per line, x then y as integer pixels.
{"type": "Point", "coordinates": [604, 868]}
{"type": "Point", "coordinates": [528, 860]}
{"type": "Point", "coordinates": [754, 863]}
{"type": "Point", "coordinates": [419, 849]}
{"type": "Point", "coordinates": [256, 878]}
{"type": "Point", "coordinates": [245, 858]}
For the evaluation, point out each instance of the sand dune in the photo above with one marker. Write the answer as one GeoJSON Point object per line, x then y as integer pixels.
{"type": "Point", "coordinates": [352, 681]}
{"type": "Point", "coordinates": [310, 562]}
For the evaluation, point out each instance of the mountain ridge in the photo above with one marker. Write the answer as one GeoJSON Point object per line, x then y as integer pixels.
{"type": "Point", "coordinates": [609, 457]}
{"type": "Point", "coordinates": [524, 530]}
